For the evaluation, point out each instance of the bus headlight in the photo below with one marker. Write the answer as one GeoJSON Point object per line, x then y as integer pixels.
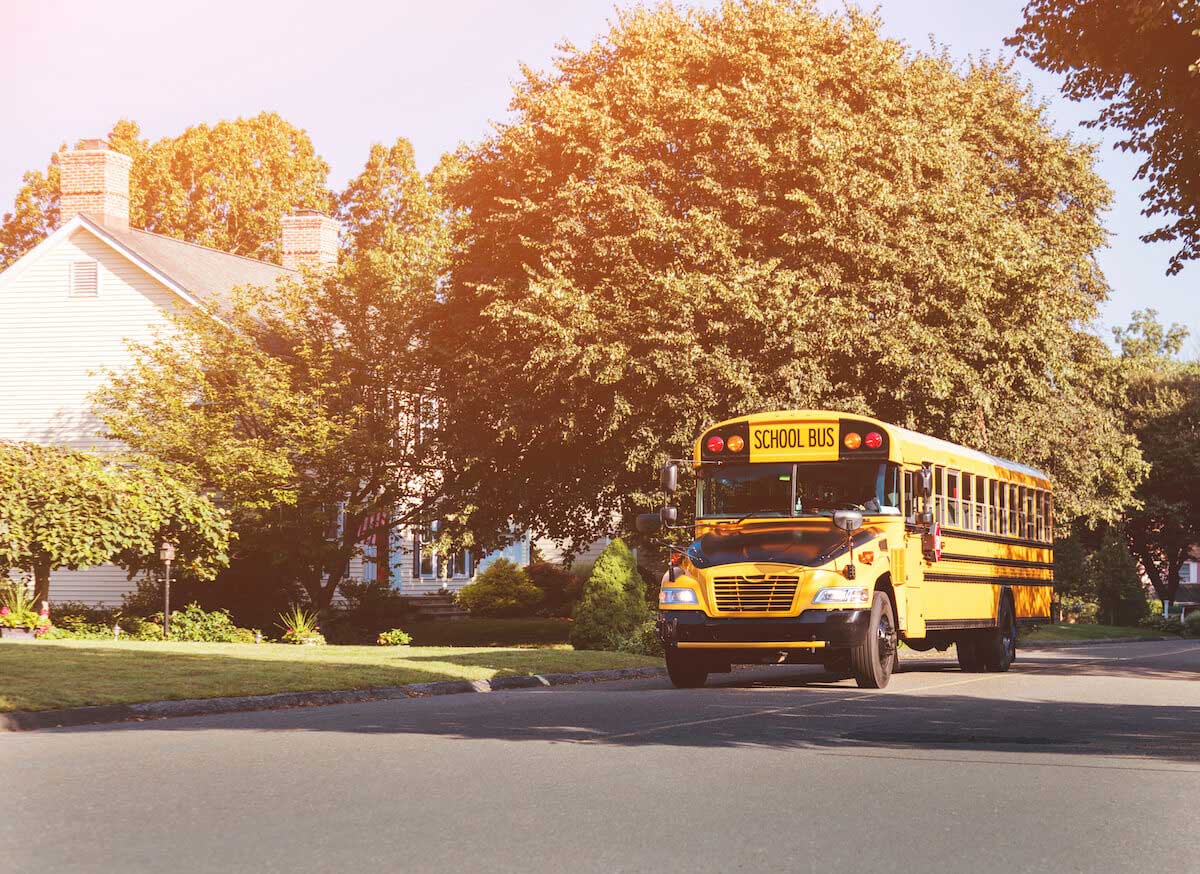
{"type": "Point", "coordinates": [842, 595]}
{"type": "Point", "coordinates": [669, 595]}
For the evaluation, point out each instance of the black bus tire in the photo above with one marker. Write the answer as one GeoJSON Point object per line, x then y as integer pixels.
{"type": "Point", "coordinates": [873, 660]}
{"type": "Point", "coordinates": [968, 650]}
{"type": "Point", "coordinates": [685, 671]}
{"type": "Point", "coordinates": [998, 647]}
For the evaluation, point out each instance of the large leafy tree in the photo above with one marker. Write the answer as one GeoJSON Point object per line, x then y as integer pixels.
{"type": "Point", "coordinates": [303, 403]}
{"type": "Point", "coordinates": [224, 186]}
{"type": "Point", "coordinates": [1164, 411]}
{"type": "Point", "coordinates": [708, 213]}
{"type": "Point", "coordinates": [60, 508]}
{"type": "Point", "coordinates": [1142, 57]}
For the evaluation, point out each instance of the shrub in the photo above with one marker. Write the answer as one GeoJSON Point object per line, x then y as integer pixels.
{"type": "Point", "coordinates": [1191, 623]}
{"type": "Point", "coordinates": [613, 603]}
{"type": "Point", "coordinates": [300, 626]}
{"type": "Point", "coordinates": [1083, 611]}
{"type": "Point", "coordinates": [369, 609]}
{"type": "Point", "coordinates": [195, 625]}
{"type": "Point", "coordinates": [78, 627]}
{"type": "Point", "coordinates": [559, 587]}
{"type": "Point", "coordinates": [501, 590]}
{"type": "Point", "coordinates": [643, 640]}
{"type": "Point", "coordinates": [395, 637]}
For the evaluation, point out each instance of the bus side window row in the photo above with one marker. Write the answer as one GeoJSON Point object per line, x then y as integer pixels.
{"type": "Point", "coordinates": [978, 503]}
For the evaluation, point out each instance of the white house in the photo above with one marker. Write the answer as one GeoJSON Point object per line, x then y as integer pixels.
{"type": "Point", "coordinates": [69, 307]}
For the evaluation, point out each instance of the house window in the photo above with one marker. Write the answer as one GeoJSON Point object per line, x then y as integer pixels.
{"type": "Point", "coordinates": [458, 564]}
{"type": "Point", "coordinates": [85, 279]}
{"type": "Point", "coordinates": [424, 558]}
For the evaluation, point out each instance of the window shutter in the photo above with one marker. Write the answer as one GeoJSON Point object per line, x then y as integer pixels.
{"type": "Point", "coordinates": [85, 279]}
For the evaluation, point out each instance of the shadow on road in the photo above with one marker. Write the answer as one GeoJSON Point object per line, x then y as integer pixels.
{"type": "Point", "coordinates": [788, 709]}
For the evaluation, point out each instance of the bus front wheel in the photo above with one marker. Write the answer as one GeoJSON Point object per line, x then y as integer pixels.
{"type": "Point", "coordinates": [685, 671]}
{"type": "Point", "coordinates": [873, 660]}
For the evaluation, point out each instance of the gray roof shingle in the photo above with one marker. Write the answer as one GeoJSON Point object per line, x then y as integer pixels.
{"type": "Point", "coordinates": [209, 275]}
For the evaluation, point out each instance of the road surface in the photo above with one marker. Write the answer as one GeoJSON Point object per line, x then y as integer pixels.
{"type": "Point", "coordinates": [1082, 759]}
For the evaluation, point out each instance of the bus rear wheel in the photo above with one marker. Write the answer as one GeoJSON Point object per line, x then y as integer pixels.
{"type": "Point", "coordinates": [685, 671]}
{"type": "Point", "coordinates": [968, 650]}
{"type": "Point", "coordinates": [873, 660]}
{"type": "Point", "coordinates": [998, 648]}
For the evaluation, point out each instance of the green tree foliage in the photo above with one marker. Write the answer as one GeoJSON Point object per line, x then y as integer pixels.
{"type": "Point", "coordinates": [225, 186]}
{"type": "Point", "coordinates": [60, 508]}
{"type": "Point", "coordinates": [502, 589]}
{"type": "Point", "coordinates": [1143, 58]}
{"type": "Point", "coordinates": [1070, 567]}
{"type": "Point", "coordinates": [708, 213]}
{"type": "Point", "coordinates": [1114, 573]}
{"type": "Point", "coordinates": [613, 603]}
{"type": "Point", "coordinates": [306, 396]}
{"type": "Point", "coordinates": [1163, 409]}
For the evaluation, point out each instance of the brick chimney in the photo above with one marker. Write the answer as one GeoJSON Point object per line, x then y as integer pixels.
{"type": "Point", "coordinates": [310, 239]}
{"type": "Point", "coordinates": [94, 180]}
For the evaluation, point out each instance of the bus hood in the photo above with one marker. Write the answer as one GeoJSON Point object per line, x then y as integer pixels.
{"type": "Point", "coordinates": [807, 544]}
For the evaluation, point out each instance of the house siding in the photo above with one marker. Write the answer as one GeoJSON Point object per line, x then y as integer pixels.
{"type": "Point", "coordinates": [53, 348]}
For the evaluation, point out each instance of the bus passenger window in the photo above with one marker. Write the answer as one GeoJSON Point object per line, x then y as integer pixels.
{"type": "Point", "coordinates": [939, 491]}
{"type": "Point", "coordinates": [1002, 509]}
{"type": "Point", "coordinates": [968, 504]}
{"type": "Point", "coordinates": [1039, 519]}
{"type": "Point", "coordinates": [1013, 529]}
{"type": "Point", "coordinates": [992, 528]}
{"type": "Point", "coordinates": [1031, 515]}
{"type": "Point", "coordinates": [1022, 525]}
{"type": "Point", "coordinates": [953, 515]}
{"type": "Point", "coordinates": [910, 513]}
{"type": "Point", "coordinates": [980, 506]}
{"type": "Point", "coordinates": [1049, 518]}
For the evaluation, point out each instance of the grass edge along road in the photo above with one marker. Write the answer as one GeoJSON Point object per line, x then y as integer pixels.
{"type": "Point", "coordinates": [1064, 632]}
{"type": "Point", "coordinates": [55, 674]}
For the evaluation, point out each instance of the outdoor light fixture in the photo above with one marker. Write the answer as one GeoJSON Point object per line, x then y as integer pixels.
{"type": "Point", "coordinates": [166, 554]}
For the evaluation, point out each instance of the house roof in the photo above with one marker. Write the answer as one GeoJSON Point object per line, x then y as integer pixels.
{"type": "Point", "coordinates": [208, 275]}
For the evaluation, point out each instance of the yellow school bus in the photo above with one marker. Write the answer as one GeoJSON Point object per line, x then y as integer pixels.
{"type": "Point", "coordinates": [824, 537]}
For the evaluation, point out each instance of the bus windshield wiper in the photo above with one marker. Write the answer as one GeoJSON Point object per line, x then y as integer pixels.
{"type": "Point", "coordinates": [759, 513]}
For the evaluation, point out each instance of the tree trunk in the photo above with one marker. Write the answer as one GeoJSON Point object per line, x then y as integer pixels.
{"type": "Point", "coordinates": [41, 582]}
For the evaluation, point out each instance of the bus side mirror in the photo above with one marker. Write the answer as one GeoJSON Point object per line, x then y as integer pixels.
{"type": "Point", "coordinates": [848, 520]}
{"type": "Point", "coordinates": [924, 482]}
{"type": "Point", "coordinates": [926, 517]}
{"type": "Point", "coordinates": [649, 523]}
{"type": "Point", "coordinates": [668, 515]}
{"type": "Point", "coordinates": [668, 477]}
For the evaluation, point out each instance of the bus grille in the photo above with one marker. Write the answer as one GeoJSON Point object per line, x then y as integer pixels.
{"type": "Point", "coordinates": [759, 594]}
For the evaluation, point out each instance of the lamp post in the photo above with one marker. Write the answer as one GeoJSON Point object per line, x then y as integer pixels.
{"type": "Point", "coordinates": [166, 554]}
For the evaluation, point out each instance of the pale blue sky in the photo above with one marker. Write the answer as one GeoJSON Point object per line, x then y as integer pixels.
{"type": "Point", "coordinates": [360, 71]}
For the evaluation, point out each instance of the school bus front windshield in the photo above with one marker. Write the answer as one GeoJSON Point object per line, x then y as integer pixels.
{"type": "Point", "coordinates": [736, 491]}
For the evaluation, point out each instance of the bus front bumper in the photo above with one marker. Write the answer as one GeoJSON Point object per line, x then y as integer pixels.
{"type": "Point", "coordinates": [692, 629]}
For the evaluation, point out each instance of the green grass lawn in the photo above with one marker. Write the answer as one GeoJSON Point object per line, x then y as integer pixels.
{"type": "Point", "coordinates": [1046, 633]}
{"type": "Point", "coordinates": [489, 632]}
{"type": "Point", "coordinates": [73, 673]}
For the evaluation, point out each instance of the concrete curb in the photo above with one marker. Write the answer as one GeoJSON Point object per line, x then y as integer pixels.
{"type": "Point", "coordinates": [31, 720]}
{"type": "Point", "coordinates": [1057, 644]}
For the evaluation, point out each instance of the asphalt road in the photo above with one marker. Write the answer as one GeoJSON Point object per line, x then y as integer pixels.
{"type": "Point", "coordinates": [1085, 759]}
